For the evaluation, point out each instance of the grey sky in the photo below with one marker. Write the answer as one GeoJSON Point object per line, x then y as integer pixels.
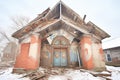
{"type": "Point", "coordinates": [104, 13]}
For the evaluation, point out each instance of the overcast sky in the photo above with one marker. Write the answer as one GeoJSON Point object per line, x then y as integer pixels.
{"type": "Point", "coordinates": [104, 13]}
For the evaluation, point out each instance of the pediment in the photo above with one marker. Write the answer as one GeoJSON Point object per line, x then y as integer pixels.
{"type": "Point", "coordinates": [60, 17]}
{"type": "Point", "coordinates": [61, 10]}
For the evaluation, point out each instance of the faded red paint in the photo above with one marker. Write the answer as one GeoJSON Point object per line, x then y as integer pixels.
{"type": "Point", "coordinates": [86, 39]}
{"type": "Point", "coordinates": [101, 53]}
{"type": "Point", "coordinates": [23, 60]}
{"type": "Point", "coordinates": [88, 64]}
{"type": "Point", "coordinates": [34, 39]}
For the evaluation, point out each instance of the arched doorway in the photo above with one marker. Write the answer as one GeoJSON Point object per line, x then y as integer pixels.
{"type": "Point", "coordinates": [60, 51]}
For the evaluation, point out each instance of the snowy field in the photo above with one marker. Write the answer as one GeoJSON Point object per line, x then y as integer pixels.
{"type": "Point", "coordinates": [69, 74]}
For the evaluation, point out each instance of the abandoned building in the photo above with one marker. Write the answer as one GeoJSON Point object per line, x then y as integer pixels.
{"type": "Point", "coordinates": [9, 52]}
{"type": "Point", "coordinates": [112, 52]}
{"type": "Point", "coordinates": [59, 37]}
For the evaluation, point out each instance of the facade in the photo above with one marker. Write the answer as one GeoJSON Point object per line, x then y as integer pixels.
{"type": "Point", "coordinates": [112, 52]}
{"type": "Point", "coordinates": [59, 37]}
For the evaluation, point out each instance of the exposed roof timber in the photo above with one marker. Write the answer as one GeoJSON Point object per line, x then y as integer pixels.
{"type": "Point", "coordinates": [30, 25]}
{"type": "Point", "coordinates": [46, 26]}
{"type": "Point", "coordinates": [63, 15]}
{"type": "Point", "coordinates": [69, 13]}
{"type": "Point", "coordinates": [70, 10]}
{"type": "Point", "coordinates": [61, 9]}
{"type": "Point", "coordinates": [82, 25]}
{"type": "Point", "coordinates": [64, 25]}
{"type": "Point", "coordinates": [59, 24]}
{"type": "Point", "coordinates": [52, 32]}
{"type": "Point", "coordinates": [96, 30]}
{"type": "Point", "coordinates": [51, 28]}
{"type": "Point", "coordinates": [43, 14]}
{"type": "Point", "coordinates": [54, 12]}
{"type": "Point", "coordinates": [76, 27]}
{"type": "Point", "coordinates": [31, 28]}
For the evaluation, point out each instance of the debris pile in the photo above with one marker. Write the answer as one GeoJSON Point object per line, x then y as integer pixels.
{"type": "Point", "coordinates": [67, 74]}
{"type": "Point", "coordinates": [112, 73]}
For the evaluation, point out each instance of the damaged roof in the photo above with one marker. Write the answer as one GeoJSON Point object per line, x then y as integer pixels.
{"type": "Point", "coordinates": [62, 15]}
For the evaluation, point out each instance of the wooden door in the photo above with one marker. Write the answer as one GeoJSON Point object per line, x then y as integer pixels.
{"type": "Point", "coordinates": [60, 57]}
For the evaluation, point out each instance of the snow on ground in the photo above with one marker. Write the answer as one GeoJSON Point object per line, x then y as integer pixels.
{"type": "Point", "coordinates": [75, 75]}
{"type": "Point", "coordinates": [112, 68]}
{"type": "Point", "coordinates": [7, 75]}
{"type": "Point", "coordinates": [69, 74]}
{"type": "Point", "coordinates": [115, 72]}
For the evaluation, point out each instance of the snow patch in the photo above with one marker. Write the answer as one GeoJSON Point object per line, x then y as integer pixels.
{"type": "Point", "coordinates": [104, 72]}
{"type": "Point", "coordinates": [115, 72]}
{"type": "Point", "coordinates": [75, 75]}
{"type": "Point", "coordinates": [7, 75]}
{"type": "Point", "coordinates": [112, 68]}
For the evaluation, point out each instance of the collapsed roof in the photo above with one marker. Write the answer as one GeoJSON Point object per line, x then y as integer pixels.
{"type": "Point", "coordinates": [60, 17]}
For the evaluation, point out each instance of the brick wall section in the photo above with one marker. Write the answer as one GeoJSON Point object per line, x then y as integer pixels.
{"type": "Point", "coordinates": [22, 58]}
{"type": "Point", "coordinates": [29, 54]}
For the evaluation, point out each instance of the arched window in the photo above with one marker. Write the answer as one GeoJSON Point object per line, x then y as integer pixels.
{"type": "Point", "coordinates": [60, 40]}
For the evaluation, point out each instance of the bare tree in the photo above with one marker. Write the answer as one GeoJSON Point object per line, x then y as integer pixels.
{"type": "Point", "coordinates": [4, 36]}
{"type": "Point", "coordinates": [19, 22]}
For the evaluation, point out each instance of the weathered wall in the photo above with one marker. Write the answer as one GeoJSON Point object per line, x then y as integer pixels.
{"type": "Point", "coordinates": [29, 53]}
{"type": "Point", "coordinates": [46, 55]}
{"type": "Point", "coordinates": [91, 53]}
{"type": "Point", "coordinates": [86, 52]}
{"type": "Point", "coordinates": [74, 54]}
{"type": "Point", "coordinates": [98, 56]}
{"type": "Point", "coordinates": [114, 55]}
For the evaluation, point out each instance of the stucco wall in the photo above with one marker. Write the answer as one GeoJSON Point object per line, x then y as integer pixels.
{"type": "Point", "coordinates": [29, 54]}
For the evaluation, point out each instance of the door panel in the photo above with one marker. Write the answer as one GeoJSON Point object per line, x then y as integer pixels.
{"type": "Point", "coordinates": [57, 57]}
{"type": "Point", "coordinates": [63, 57]}
{"type": "Point", "coordinates": [60, 57]}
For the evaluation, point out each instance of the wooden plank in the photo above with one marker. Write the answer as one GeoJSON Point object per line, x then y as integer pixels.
{"type": "Point", "coordinates": [76, 27]}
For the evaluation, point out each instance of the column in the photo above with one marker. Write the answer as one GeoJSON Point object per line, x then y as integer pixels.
{"type": "Point", "coordinates": [86, 52]}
